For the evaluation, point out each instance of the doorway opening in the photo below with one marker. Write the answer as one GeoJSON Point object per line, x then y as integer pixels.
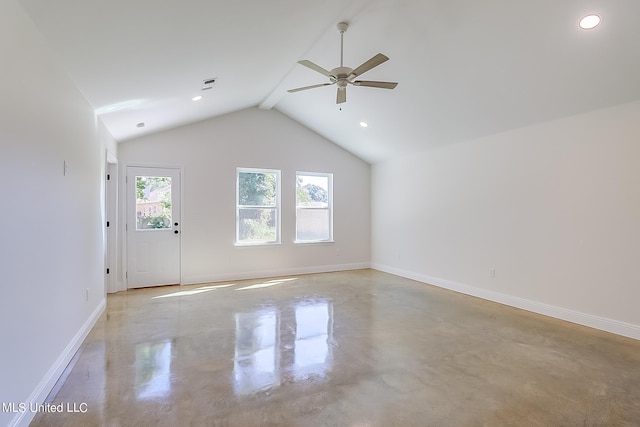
{"type": "Point", "coordinates": [153, 226]}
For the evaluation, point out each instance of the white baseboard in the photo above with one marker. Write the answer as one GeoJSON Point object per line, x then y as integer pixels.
{"type": "Point", "coordinates": [42, 390]}
{"type": "Point", "coordinates": [274, 273]}
{"type": "Point", "coordinates": [585, 319]}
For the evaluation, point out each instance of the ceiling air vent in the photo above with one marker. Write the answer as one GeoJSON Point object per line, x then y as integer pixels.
{"type": "Point", "coordinates": [208, 83]}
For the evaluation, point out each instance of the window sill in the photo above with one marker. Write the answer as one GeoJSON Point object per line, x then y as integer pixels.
{"type": "Point", "coordinates": [253, 245]}
{"type": "Point", "coordinates": [318, 242]}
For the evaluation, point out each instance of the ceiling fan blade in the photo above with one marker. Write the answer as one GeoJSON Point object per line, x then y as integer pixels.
{"type": "Point", "coordinates": [308, 87]}
{"type": "Point", "coordinates": [316, 67]}
{"type": "Point", "coordinates": [342, 96]}
{"type": "Point", "coordinates": [373, 62]}
{"type": "Point", "coordinates": [383, 85]}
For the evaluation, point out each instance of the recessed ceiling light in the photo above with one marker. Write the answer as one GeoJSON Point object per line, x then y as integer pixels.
{"type": "Point", "coordinates": [140, 125]}
{"type": "Point", "coordinates": [589, 22]}
{"type": "Point", "coordinates": [197, 98]}
{"type": "Point", "coordinates": [364, 124]}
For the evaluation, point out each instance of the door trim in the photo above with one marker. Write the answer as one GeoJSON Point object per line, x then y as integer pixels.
{"type": "Point", "coordinates": [113, 281]}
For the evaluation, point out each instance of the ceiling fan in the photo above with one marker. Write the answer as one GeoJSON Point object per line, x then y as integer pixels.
{"type": "Point", "coordinates": [343, 76]}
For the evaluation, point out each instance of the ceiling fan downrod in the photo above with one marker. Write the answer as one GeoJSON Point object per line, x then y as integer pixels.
{"type": "Point", "coordinates": [342, 27]}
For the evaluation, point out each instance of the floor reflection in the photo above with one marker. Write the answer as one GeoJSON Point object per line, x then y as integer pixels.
{"type": "Point", "coordinates": [264, 352]}
{"type": "Point", "coordinates": [153, 370]}
{"type": "Point", "coordinates": [313, 335]}
{"type": "Point", "coordinates": [256, 365]}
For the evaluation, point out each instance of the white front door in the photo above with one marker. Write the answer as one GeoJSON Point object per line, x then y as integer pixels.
{"type": "Point", "coordinates": [153, 226]}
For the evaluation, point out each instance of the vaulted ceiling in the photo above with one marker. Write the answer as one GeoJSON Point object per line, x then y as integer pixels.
{"type": "Point", "coordinates": [465, 68]}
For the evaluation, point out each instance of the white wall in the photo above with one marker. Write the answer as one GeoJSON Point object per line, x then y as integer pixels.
{"type": "Point", "coordinates": [210, 151]}
{"type": "Point", "coordinates": [51, 249]}
{"type": "Point", "coordinates": [554, 208]}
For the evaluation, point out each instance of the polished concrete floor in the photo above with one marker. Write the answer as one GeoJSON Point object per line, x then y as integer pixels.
{"type": "Point", "coordinates": [358, 348]}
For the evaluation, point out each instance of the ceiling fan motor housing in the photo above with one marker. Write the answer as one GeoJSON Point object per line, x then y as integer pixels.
{"type": "Point", "coordinates": [341, 75]}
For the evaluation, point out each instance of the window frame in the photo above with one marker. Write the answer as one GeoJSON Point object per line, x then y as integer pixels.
{"type": "Point", "coordinates": [276, 208]}
{"type": "Point", "coordinates": [329, 207]}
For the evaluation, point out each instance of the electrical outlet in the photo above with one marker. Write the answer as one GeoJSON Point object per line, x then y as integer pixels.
{"type": "Point", "coordinates": [492, 273]}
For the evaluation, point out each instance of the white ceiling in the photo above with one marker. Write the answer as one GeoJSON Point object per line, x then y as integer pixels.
{"type": "Point", "coordinates": [465, 68]}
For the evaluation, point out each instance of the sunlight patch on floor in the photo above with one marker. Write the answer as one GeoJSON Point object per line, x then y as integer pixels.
{"type": "Point", "coordinates": [193, 291]}
{"type": "Point", "coordinates": [267, 284]}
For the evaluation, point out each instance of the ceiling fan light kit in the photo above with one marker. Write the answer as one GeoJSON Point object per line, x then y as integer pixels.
{"type": "Point", "coordinates": [343, 76]}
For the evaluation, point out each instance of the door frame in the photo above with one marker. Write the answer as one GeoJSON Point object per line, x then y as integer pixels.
{"type": "Point", "coordinates": [113, 281]}
{"type": "Point", "coordinates": [123, 216]}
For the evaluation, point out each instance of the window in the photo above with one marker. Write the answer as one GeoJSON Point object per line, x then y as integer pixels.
{"type": "Point", "coordinates": [153, 202]}
{"type": "Point", "coordinates": [314, 215]}
{"type": "Point", "coordinates": [258, 208]}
